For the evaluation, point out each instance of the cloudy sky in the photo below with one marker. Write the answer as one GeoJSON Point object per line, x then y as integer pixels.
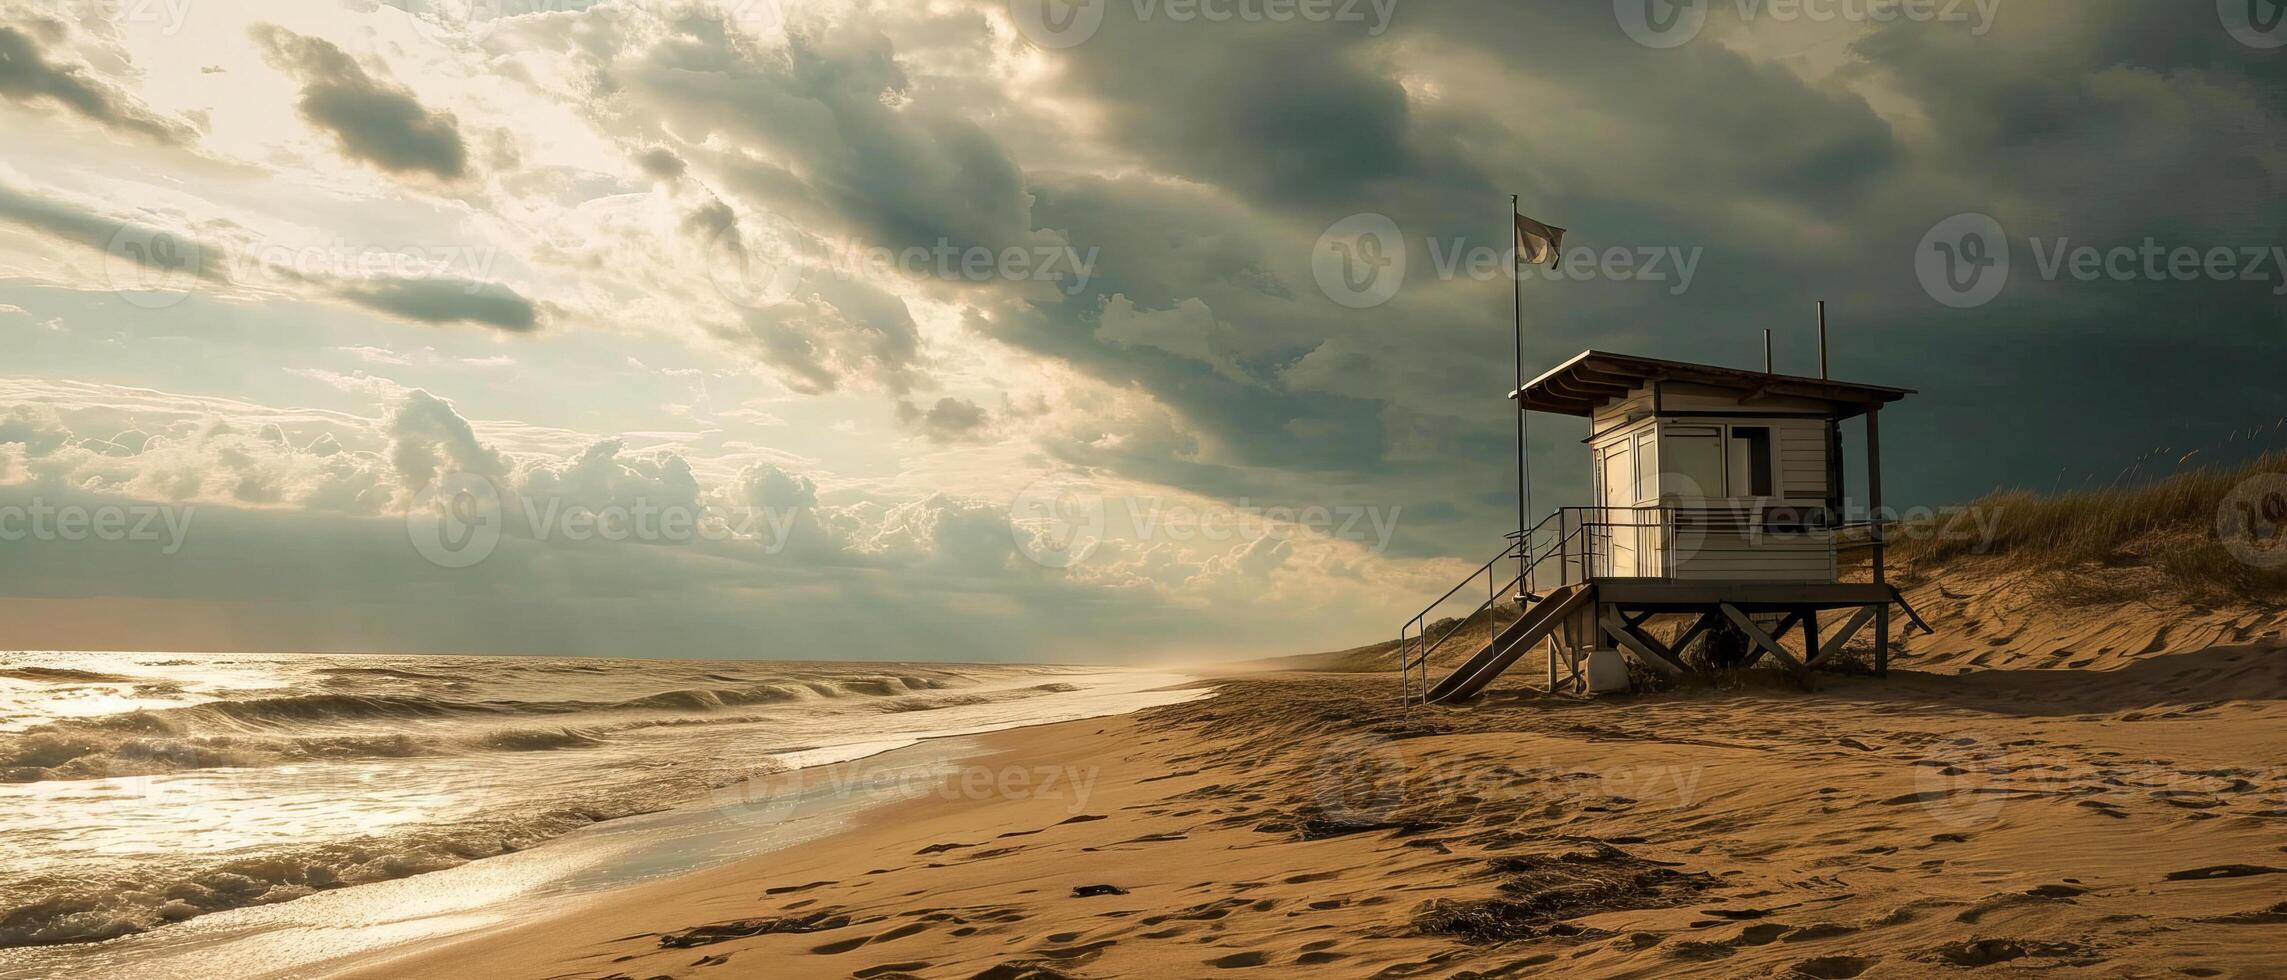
{"type": "Point", "coordinates": [989, 329]}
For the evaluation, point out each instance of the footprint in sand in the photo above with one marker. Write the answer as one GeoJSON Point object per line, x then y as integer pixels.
{"type": "Point", "coordinates": [1831, 967]}
{"type": "Point", "coordinates": [790, 889]}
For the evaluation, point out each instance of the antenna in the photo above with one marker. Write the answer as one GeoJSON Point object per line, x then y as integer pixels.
{"type": "Point", "coordinates": [1766, 350]}
{"type": "Point", "coordinates": [1822, 340]}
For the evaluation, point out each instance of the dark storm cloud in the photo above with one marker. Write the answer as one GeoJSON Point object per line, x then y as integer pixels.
{"type": "Point", "coordinates": [844, 134]}
{"type": "Point", "coordinates": [435, 300]}
{"type": "Point", "coordinates": [29, 76]}
{"type": "Point", "coordinates": [660, 162]}
{"type": "Point", "coordinates": [950, 420]}
{"type": "Point", "coordinates": [445, 300]}
{"type": "Point", "coordinates": [2102, 123]}
{"type": "Point", "coordinates": [127, 241]}
{"type": "Point", "coordinates": [372, 120]}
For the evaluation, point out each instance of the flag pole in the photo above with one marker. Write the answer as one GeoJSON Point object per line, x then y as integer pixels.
{"type": "Point", "coordinates": [1517, 334]}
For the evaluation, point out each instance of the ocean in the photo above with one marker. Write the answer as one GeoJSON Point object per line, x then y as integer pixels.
{"type": "Point", "coordinates": [139, 791]}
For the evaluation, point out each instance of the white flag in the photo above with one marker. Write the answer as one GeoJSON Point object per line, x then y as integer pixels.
{"type": "Point", "coordinates": [1538, 243]}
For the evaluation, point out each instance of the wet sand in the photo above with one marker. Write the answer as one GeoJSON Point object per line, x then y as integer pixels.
{"type": "Point", "coordinates": [2129, 821]}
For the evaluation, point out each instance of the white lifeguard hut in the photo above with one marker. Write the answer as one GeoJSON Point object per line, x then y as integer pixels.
{"type": "Point", "coordinates": [1718, 496]}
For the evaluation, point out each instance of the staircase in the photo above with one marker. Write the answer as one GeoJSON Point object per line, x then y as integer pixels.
{"type": "Point", "coordinates": [1556, 554]}
{"type": "Point", "coordinates": [1511, 643]}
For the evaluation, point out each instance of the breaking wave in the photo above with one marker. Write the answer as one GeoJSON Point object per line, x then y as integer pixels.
{"type": "Point", "coordinates": [225, 782]}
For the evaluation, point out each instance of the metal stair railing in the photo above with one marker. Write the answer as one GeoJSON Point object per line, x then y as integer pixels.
{"type": "Point", "coordinates": [1580, 546]}
{"type": "Point", "coordinates": [1415, 645]}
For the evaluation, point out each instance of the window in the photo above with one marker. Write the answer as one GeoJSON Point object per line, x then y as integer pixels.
{"type": "Point", "coordinates": [1694, 462]}
{"type": "Point", "coordinates": [1751, 472]}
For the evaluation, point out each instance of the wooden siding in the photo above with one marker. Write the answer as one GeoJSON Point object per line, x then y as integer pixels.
{"type": "Point", "coordinates": [1731, 556]}
{"type": "Point", "coordinates": [1801, 448]}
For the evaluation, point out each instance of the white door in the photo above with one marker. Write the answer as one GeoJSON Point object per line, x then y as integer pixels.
{"type": "Point", "coordinates": [1616, 544]}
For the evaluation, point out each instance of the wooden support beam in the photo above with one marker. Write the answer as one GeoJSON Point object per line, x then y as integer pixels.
{"type": "Point", "coordinates": [1810, 636]}
{"type": "Point", "coordinates": [1639, 618]}
{"type": "Point", "coordinates": [1776, 635]}
{"type": "Point", "coordinates": [1644, 649]}
{"type": "Point", "coordinates": [1762, 639]}
{"type": "Point", "coordinates": [1910, 613]}
{"type": "Point", "coordinates": [1850, 628]}
{"type": "Point", "coordinates": [1706, 622]}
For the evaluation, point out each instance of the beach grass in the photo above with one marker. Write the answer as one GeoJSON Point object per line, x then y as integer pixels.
{"type": "Point", "coordinates": [2174, 526]}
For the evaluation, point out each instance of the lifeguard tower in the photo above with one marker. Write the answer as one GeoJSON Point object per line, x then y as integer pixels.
{"type": "Point", "coordinates": [1718, 502]}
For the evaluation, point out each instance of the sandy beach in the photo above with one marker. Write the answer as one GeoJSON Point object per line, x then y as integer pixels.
{"type": "Point", "coordinates": [1976, 809]}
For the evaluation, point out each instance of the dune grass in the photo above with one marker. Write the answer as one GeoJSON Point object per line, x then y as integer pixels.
{"type": "Point", "coordinates": [2174, 525]}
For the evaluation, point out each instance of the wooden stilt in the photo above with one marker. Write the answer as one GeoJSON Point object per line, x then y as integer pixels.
{"type": "Point", "coordinates": [1882, 640]}
{"type": "Point", "coordinates": [1850, 628]}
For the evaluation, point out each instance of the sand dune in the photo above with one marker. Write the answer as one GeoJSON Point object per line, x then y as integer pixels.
{"type": "Point", "coordinates": [2091, 792]}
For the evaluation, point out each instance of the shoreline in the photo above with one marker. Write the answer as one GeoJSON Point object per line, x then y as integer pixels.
{"type": "Point", "coordinates": [1872, 828]}
{"type": "Point", "coordinates": [331, 929]}
{"type": "Point", "coordinates": [947, 804]}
